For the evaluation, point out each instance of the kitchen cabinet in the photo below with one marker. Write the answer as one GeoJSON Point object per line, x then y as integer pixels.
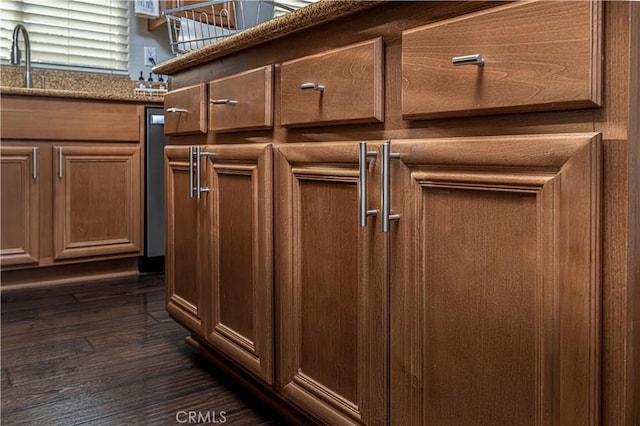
{"type": "Point", "coordinates": [95, 192]}
{"type": "Point", "coordinates": [97, 201]}
{"type": "Point", "coordinates": [71, 190]}
{"type": "Point", "coordinates": [220, 249]}
{"type": "Point", "coordinates": [332, 285]}
{"type": "Point", "coordinates": [466, 251]}
{"type": "Point", "coordinates": [490, 262]}
{"type": "Point", "coordinates": [19, 204]}
{"type": "Point", "coordinates": [495, 306]}
{"type": "Point", "coordinates": [183, 220]}
{"type": "Point", "coordinates": [184, 213]}
{"type": "Point", "coordinates": [239, 237]}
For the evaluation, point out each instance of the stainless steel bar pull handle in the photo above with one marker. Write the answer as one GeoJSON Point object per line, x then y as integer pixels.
{"type": "Point", "coordinates": [224, 101]}
{"type": "Point", "coordinates": [362, 211]}
{"type": "Point", "coordinates": [191, 188]}
{"type": "Point", "coordinates": [386, 214]}
{"type": "Point", "coordinates": [198, 172]}
{"type": "Point", "coordinates": [312, 86]}
{"type": "Point", "coordinates": [199, 188]}
{"type": "Point", "coordinates": [475, 59]}
{"type": "Point", "coordinates": [174, 109]}
{"type": "Point", "coordinates": [34, 159]}
{"type": "Point", "coordinates": [60, 162]}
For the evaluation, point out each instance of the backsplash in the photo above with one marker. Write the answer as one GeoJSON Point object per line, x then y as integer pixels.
{"type": "Point", "coordinates": [13, 76]}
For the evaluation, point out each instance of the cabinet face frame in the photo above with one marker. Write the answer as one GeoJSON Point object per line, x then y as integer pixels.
{"type": "Point", "coordinates": [331, 169]}
{"type": "Point", "coordinates": [561, 175]}
{"type": "Point", "coordinates": [67, 158]}
{"type": "Point", "coordinates": [26, 180]}
{"type": "Point", "coordinates": [244, 332]}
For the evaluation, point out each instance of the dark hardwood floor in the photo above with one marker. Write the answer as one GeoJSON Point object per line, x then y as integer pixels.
{"type": "Point", "coordinates": [108, 354]}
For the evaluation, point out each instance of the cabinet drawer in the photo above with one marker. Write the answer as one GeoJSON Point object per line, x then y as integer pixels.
{"type": "Point", "coordinates": [351, 92]}
{"type": "Point", "coordinates": [185, 111]}
{"type": "Point", "coordinates": [242, 101]}
{"type": "Point", "coordinates": [537, 56]}
{"type": "Point", "coordinates": [42, 118]}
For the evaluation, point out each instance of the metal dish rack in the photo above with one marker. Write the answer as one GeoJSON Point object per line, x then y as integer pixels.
{"type": "Point", "coordinates": [197, 25]}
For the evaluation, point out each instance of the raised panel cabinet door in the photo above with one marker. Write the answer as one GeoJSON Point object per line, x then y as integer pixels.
{"type": "Point", "coordinates": [19, 215]}
{"type": "Point", "coordinates": [97, 200]}
{"type": "Point", "coordinates": [239, 228]}
{"type": "Point", "coordinates": [331, 284]}
{"type": "Point", "coordinates": [496, 287]}
{"type": "Point", "coordinates": [182, 261]}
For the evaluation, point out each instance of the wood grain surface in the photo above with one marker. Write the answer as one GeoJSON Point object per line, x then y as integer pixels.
{"type": "Point", "coordinates": [108, 353]}
{"type": "Point", "coordinates": [537, 56]}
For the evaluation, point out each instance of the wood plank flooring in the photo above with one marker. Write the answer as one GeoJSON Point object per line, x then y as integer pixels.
{"type": "Point", "coordinates": [108, 354]}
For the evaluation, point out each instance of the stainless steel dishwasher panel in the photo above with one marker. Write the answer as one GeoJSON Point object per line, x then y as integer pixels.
{"type": "Point", "coordinates": [154, 232]}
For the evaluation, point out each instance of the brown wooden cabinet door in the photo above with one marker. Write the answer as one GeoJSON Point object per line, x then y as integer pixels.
{"type": "Point", "coordinates": [331, 285]}
{"type": "Point", "coordinates": [239, 257]}
{"type": "Point", "coordinates": [496, 281]}
{"type": "Point", "coordinates": [19, 227]}
{"type": "Point", "coordinates": [97, 200]}
{"type": "Point", "coordinates": [182, 240]}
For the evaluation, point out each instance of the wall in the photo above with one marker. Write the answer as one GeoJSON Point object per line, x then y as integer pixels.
{"type": "Point", "coordinates": [139, 37]}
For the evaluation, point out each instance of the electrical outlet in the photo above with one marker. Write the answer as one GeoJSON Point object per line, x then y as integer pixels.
{"type": "Point", "coordinates": [149, 56]}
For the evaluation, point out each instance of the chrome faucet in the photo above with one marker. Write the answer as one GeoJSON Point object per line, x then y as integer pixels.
{"type": "Point", "coordinates": [15, 52]}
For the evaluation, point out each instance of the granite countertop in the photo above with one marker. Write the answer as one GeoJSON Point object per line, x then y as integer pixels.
{"type": "Point", "coordinates": [79, 94]}
{"type": "Point", "coordinates": [72, 85]}
{"type": "Point", "coordinates": [303, 18]}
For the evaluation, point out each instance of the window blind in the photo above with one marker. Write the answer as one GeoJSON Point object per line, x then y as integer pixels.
{"type": "Point", "coordinates": [296, 4]}
{"type": "Point", "coordinates": [77, 33]}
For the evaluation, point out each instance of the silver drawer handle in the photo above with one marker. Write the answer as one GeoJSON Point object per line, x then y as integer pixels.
{"type": "Point", "coordinates": [224, 101]}
{"type": "Point", "coordinates": [174, 109]}
{"type": "Point", "coordinates": [476, 59]}
{"type": "Point", "coordinates": [312, 86]}
{"type": "Point", "coordinates": [363, 212]}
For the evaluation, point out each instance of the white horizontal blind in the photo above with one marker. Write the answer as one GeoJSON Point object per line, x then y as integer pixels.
{"type": "Point", "coordinates": [297, 4]}
{"type": "Point", "coordinates": [78, 33]}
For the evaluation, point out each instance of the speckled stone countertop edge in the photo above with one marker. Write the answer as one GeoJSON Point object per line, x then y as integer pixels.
{"type": "Point", "coordinates": [301, 19]}
{"type": "Point", "coordinates": [72, 94]}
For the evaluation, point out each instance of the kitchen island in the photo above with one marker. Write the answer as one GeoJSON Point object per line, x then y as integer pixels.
{"type": "Point", "coordinates": [414, 212]}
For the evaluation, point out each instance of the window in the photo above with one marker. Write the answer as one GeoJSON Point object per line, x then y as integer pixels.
{"type": "Point", "coordinates": [75, 33]}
